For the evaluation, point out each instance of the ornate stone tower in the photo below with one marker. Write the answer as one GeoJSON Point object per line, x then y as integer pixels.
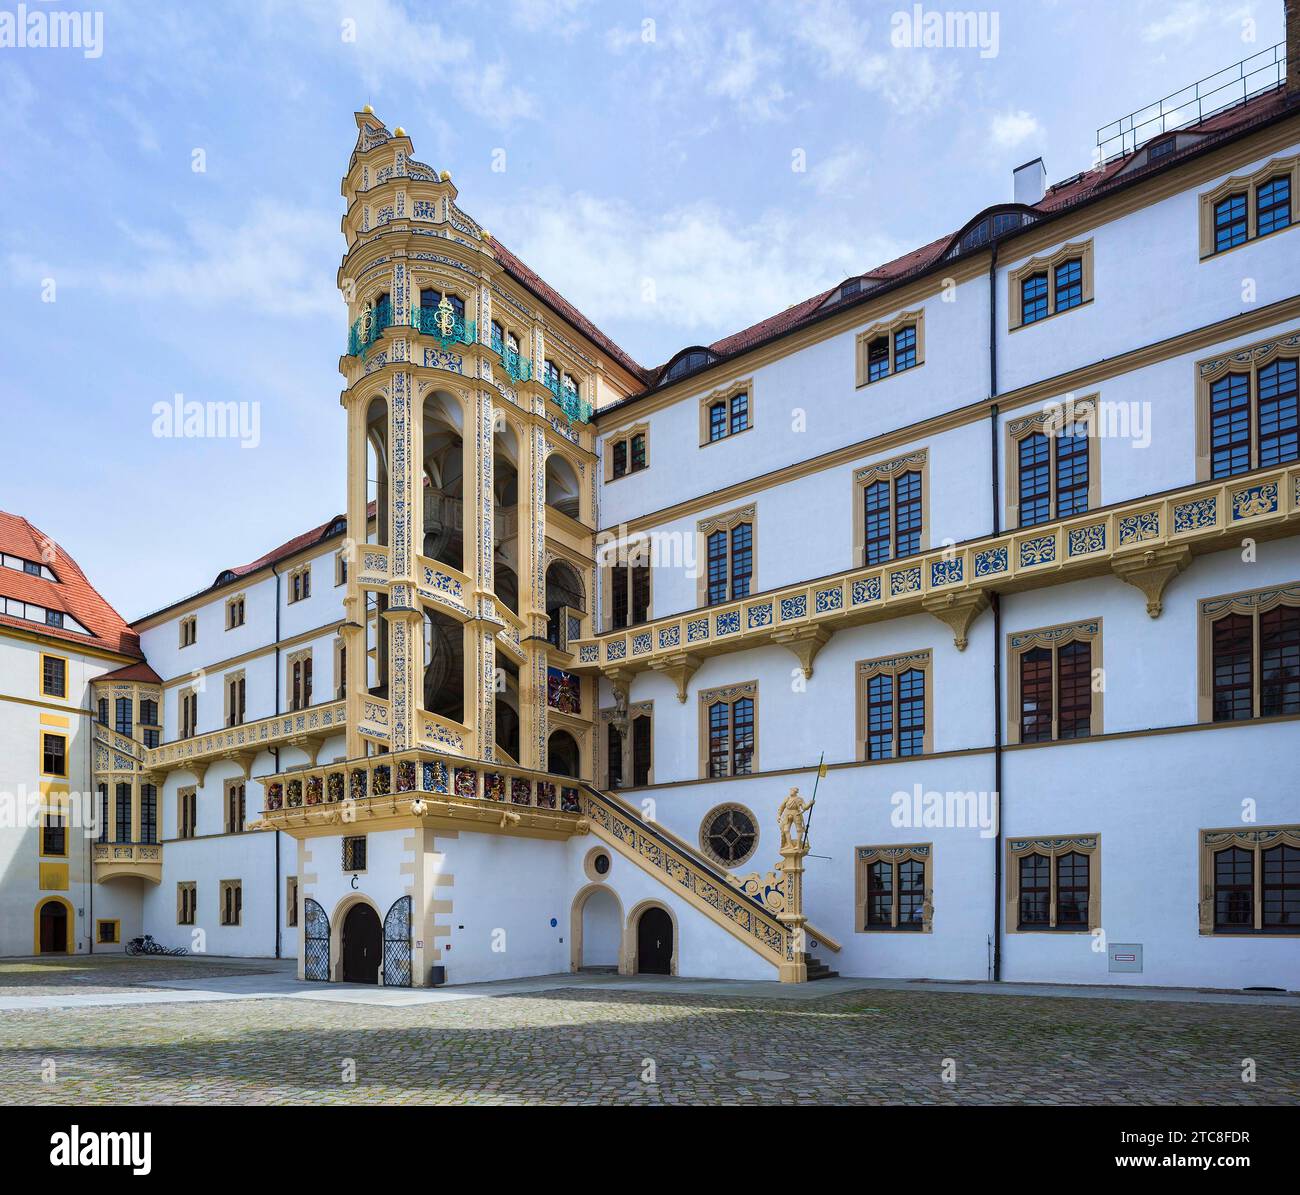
{"type": "Point", "coordinates": [451, 417]}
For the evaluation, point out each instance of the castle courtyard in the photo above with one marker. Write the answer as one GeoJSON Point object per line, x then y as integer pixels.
{"type": "Point", "coordinates": [112, 1029]}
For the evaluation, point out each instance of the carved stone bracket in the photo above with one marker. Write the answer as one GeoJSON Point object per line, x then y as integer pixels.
{"type": "Point", "coordinates": [957, 611]}
{"type": "Point", "coordinates": [310, 744]}
{"type": "Point", "coordinates": [679, 669]}
{"type": "Point", "coordinates": [1151, 571]}
{"type": "Point", "coordinates": [805, 642]}
{"type": "Point", "coordinates": [245, 761]}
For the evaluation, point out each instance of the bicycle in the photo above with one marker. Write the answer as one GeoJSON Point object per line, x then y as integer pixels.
{"type": "Point", "coordinates": [146, 945]}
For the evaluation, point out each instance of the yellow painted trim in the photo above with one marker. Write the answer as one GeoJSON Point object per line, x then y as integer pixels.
{"type": "Point", "coordinates": [116, 939]}
{"type": "Point", "coordinates": [44, 734]}
{"type": "Point", "coordinates": [40, 676]}
{"type": "Point", "coordinates": [55, 720]}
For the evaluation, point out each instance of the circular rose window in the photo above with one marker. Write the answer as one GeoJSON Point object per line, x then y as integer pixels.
{"type": "Point", "coordinates": [729, 834]}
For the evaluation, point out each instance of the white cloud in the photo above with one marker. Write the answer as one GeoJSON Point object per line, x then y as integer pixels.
{"type": "Point", "coordinates": [842, 42]}
{"type": "Point", "coordinates": [744, 74]}
{"type": "Point", "coordinates": [839, 172]}
{"type": "Point", "coordinates": [711, 273]}
{"type": "Point", "coordinates": [1012, 128]}
{"type": "Point", "coordinates": [1181, 23]}
{"type": "Point", "coordinates": [393, 47]}
{"type": "Point", "coordinates": [278, 262]}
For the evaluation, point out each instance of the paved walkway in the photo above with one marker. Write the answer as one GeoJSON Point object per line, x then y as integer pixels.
{"type": "Point", "coordinates": [168, 982]}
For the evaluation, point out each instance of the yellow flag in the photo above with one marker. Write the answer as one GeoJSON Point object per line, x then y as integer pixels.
{"type": "Point", "coordinates": [822, 771]}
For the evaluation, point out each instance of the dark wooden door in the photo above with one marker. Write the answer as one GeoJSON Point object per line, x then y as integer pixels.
{"type": "Point", "coordinates": [54, 928]}
{"type": "Point", "coordinates": [654, 943]}
{"type": "Point", "coordinates": [362, 945]}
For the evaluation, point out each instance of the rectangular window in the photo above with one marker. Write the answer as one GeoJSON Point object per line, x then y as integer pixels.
{"type": "Point", "coordinates": [186, 903]}
{"type": "Point", "coordinates": [354, 853]}
{"type": "Point", "coordinates": [890, 347]}
{"type": "Point", "coordinates": [1052, 473]}
{"type": "Point", "coordinates": [189, 714]}
{"type": "Point", "coordinates": [727, 549]}
{"type": "Point", "coordinates": [1054, 694]}
{"type": "Point", "coordinates": [232, 902]}
{"type": "Point", "coordinates": [54, 676]}
{"type": "Point", "coordinates": [1067, 281]}
{"type": "Point", "coordinates": [234, 613]}
{"type": "Point", "coordinates": [1230, 223]}
{"type": "Point", "coordinates": [1051, 284]}
{"type": "Point", "coordinates": [123, 708]}
{"type": "Point", "coordinates": [1273, 205]}
{"type": "Point", "coordinates": [894, 888]}
{"type": "Point", "coordinates": [1250, 881]}
{"type": "Point", "coordinates": [107, 933]}
{"type": "Point", "coordinates": [291, 901]}
{"type": "Point", "coordinates": [1250, 663]}
{"type": "Point", "coordinates": [187, 813]}
{"type": "Point", "coordinates": [102, 836]}
{"type": "Point", "coordinates": [893, 517]}
{"type": "Point", "coordinates": [340, 568]}
{"type": "Point", "coordinates": [123, 811]}
{"type": "Point", "coordinates": [148, 813]}
{"type": "Point", "coordinates": [54, 830]}
{"type": "Point", "coordinates": [189, 628]}
{"type": "Point", "coordinates": [54, 754]}
{"type": "Point", "coordinates": [236, 691]}
{"type": "Point", "coordinates": [1054, 884]}
{"type": "Point", "coordinates": [728, 730]}
{"type": "Point", "coordinates": [1244, 208]}
{"type": "Point", "coordinates": [620, 458]}
{"type": "Point", "coordinates": [723, 413]}
{"type": "Point", "coordinates": [1033, 298]}
{"type": "Point", "coordinates": [235, 790]}
{"type": "Point", "coordinates": [893, 706]}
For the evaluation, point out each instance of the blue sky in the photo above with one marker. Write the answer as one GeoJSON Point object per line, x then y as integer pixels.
{"type": "Point", "coordinates": [632, 152]}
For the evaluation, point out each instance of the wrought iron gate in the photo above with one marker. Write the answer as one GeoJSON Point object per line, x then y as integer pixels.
{"type": "Point", "coordinates": [317, 940]}
{"type": "Point", "coordinates": [397, 944]}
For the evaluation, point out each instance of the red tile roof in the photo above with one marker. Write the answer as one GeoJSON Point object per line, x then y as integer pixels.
{"type": "Point", "coordinates": [1073, 192]}
{"type": "Point", "coordinates": [72, 593]}
{"type": "Point", "coordinates": [140, 671]}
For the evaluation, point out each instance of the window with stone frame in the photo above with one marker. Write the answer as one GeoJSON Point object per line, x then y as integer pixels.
{"type": "Point", "coordinates": [1050, 285]}
{"type": "Point", "coordinates": [895, 703]}
{"type": "Point", "coordinates": [729, 730]}
{"type": "Point", "coordinates": [1053, 884]}
{"type": "Point", "coordinates": [1248, 410]}
{"type": "Point", "coordinates": [727, 412]}
{"type": "Point", "coordinates": [1244, 208]}
{"type": "Point", "coordinates": [1250, 881]}
{"type": "Point", "coordinates": [1052, 463]}
{"type": "Point", "coordinates": [726, 545]}
{"type": "Point", "coordinates": [890, 500]}
{"type": "Point", "coordinates": [890, 347]}
{"type": "Point", "coordinates": [1250, 655]}
{"type": "Point", "coordinates": [232, 902]}
{"type": "Point", "coordinates": [894, 888]}
{"type": "Point", "coordinates": [1056, 683]}
{"type": "Point", "coordinates": [186, 902]}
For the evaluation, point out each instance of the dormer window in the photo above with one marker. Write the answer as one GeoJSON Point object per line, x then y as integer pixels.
{"type": "Point", "coordinates": [688, 361]}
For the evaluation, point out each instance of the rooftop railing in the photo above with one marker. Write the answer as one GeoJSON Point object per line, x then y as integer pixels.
{"type": "Point", "coordinates": [1194, 103]}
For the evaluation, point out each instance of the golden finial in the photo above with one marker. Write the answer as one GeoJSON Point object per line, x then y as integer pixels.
{"type": "Point", "coordinates": [399, 131]}
{"type": "Point", "coordinates": [445, 176]}
{"type": "Point", "coordinates": [487, 236]}
{"type": "Point", "coordinates": [368, 110]}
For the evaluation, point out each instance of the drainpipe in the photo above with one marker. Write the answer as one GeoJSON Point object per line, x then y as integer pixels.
{"type": "Point", "coordinates": [995, 469]}
{"type": "Point", "coordinates": [90, 842]}
{"type": "Point", "coordinates": [275, 572]}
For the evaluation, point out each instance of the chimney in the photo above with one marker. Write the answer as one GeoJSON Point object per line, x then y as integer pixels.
{"type": "Point", "coordinates": [1293, 49]}
{"type": "Point", "coordinates": [1029, 182]}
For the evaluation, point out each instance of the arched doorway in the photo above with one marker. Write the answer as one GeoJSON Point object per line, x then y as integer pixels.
{"type": "Point", "coordinates": [562, 754]}
{"type": "Point", "coordinates": [362, 945]}
{"type": "Point", "coordinates": [52, 920]}
{"type": "Point", "coordinates": [654, 942]}
{"type": "Point", "coordinates": [601, 931]}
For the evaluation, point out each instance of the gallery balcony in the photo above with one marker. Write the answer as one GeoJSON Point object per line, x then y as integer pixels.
{"type": "Point", "coordinates": [122, 860]}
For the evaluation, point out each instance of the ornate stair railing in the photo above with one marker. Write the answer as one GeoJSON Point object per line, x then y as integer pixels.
{"type": "Point", "coordinates": [685, 871]}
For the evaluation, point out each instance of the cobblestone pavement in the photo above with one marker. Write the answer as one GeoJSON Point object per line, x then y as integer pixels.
{"type": "Point", "coordinates": [592, 1046]}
